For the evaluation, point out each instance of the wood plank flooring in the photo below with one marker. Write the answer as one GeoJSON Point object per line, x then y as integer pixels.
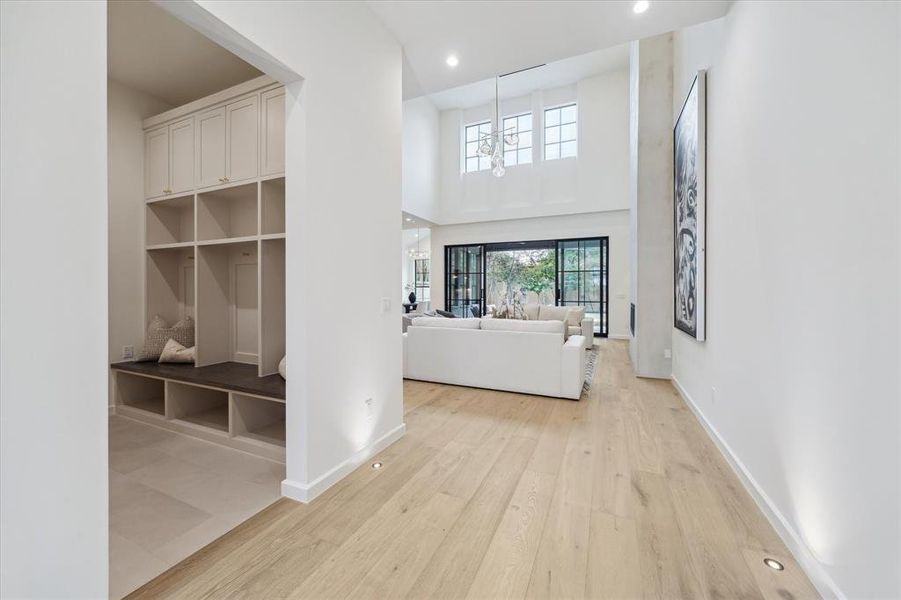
{"type": "Point", "coordinates": [498, 495]}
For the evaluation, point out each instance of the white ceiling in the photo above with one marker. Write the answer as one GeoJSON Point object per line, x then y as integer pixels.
{"type": "Point", "coordinates": [554, 74]}
{"type": "Point", "coordinates": [494, 37]}
{"type": "Point", "coordinates": [411, 221]}
{"type": "Point", "coordinates": [152, 51]}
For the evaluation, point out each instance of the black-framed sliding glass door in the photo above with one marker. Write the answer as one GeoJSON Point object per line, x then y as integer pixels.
{"type": "Point", "coordinates": [568, 272]}
{"type": "Point", "coordinates": [464, 269]}
{"type": "Point", "coordinates": [582, 278]}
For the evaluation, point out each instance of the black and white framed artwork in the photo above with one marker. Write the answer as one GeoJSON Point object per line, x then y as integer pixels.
{"type": "Point", "coordinates": [690, 202]}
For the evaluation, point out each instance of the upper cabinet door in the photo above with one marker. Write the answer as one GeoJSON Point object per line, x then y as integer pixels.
{"type": "Point", "coordinates": [211, 148]}
{"type": "Point", "coordinates": [242, 123]}
{"type": "Point", "coordinates": [272, 134]}
{"type": "Point", "coordinates": [181, 156]}
{"type": "Point", "coordinates": [156, 162]}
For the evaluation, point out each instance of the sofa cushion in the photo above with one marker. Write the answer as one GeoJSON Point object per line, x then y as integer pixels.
{"type": "Point", "coordinates": [573, 330]}
{"type": "Point", "coordinates": [553, 313]}
{"type": "Point", "coordinates": [531, 311]}
{"type": "Point", "coordinates": [519, 325]}
{"type": "Point", "coordinates": [575, 315]}
{"type": "Point", "coordinates": [447, 323]}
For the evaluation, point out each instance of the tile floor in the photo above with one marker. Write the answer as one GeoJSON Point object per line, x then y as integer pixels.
{"type": "Point", "coordinates": [170, 495]}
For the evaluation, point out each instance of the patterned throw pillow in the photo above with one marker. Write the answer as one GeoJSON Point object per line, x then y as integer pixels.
{"type": "Point", "coordinates": [173, 352]}
{"type": "Point", "coordinates": [158, 333]}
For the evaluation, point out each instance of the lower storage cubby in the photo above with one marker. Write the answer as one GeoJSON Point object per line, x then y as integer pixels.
{"type": "Point", "coordinates": [197, 405]}
{"type": "Point", "coordinates": [260, 423]}
{"type": "Point", "coordinates": [210, 409]}
{"type": "Point", "coordinates": [142, 393]}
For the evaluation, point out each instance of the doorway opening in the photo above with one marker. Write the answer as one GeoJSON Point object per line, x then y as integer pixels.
{"type": "Point", "coordinates": [564, 272]}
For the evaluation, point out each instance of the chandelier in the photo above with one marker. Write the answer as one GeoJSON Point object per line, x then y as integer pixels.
{"type": "Point", "coordinates": [492, 144]}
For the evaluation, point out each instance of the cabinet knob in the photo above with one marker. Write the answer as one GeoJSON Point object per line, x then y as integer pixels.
{"type": "Point", "coordinates": [167, 191]}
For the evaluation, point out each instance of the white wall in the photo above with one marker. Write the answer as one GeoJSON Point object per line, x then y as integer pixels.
{"type": "Point", "coordinates": [53, 300]}
{"type": "Point", "coordinates": [421, 144]}
{"type": "Point", "coordinates": [614, 224]}
{"type": "Point", "coordinates": [126, 108]}
{"type": "Point", "coordinates": [803, 275]}
{"type": "Point", "coordinates": [343, 150]}
{"type": "Point", "coordinates": [596, 181]}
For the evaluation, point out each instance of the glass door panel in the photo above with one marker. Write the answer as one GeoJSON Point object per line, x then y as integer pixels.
{"type": "Point", "coordinates": [464, 280]}
{"type": "Point", "coordinates": [582, 277]}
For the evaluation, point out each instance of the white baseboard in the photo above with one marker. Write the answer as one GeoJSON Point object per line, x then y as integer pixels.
{"type": "Point", "coordinates": [618, 336]}
{"type": "Point", "coordinates": [825, 585]}
{"type": "Point", "coordinates": [306, 492]}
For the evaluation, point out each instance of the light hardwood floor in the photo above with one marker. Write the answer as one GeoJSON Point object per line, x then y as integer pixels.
{"type": "Point", "coordinates": [501, 495]}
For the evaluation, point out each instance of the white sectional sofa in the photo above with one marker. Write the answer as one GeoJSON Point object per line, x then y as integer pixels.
{"type": "Point", "coordinates": [530, 357]}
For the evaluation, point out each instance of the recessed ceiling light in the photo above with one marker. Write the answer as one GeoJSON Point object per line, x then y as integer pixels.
{"type": "Point", "coordinates": [452, 61]}
{"type": "Point", "coordinates": [641, 6]}
{"type": "Point", "coordinates": [409, 219]}
{"type": "Point", "coordinates": [376, 465]}
{"type": "Point", "coordinates": [774, 564]}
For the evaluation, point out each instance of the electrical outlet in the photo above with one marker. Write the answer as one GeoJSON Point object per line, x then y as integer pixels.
{"type": "Point", "coordinates": [368, 404]}
{"type": "Point", "coordinates": [713, 395]}
{"type": "Point", "coordinates": [128, 352]}
{"type": "Point", "coordinates": [667, 353]}
{"type": "Point", "coordinates": [386, 305]}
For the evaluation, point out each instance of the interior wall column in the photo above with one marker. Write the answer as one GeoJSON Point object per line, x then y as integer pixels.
{"type": "Point", "coordinates": [651, 203]}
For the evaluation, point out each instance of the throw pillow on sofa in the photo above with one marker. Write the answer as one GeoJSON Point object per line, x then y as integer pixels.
{"type": "Point", "coordinates": [158, 333]}
{"type": "Point", "coordinates": [553, 313]}
{"type": "Point", "coordinates": [575, 315]}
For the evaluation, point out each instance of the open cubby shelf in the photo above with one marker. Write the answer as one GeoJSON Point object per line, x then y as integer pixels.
{"type": "Point", "coordinates": [142, 393]}
{"type": "Point", "coordinates": [258, 420]}
{"type": "Point", "coordinates": [272, 206]}
{"type": "Point", "coordinates": [228, 213]}
{"type": "Point", "coordinates": [170, 221]}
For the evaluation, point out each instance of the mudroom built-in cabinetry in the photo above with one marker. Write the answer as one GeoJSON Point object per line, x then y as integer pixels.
{"type": "Point", "coordinates": [214, 250]}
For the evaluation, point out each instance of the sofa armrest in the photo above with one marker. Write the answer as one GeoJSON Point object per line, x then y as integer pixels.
{"type": "Point", "coordinates": [588, 331]}
{"type": "Point", "coordinates": [572, 367]}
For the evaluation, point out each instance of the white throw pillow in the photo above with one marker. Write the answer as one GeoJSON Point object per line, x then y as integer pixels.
{"type": "Point", "coordinates": [531, 311]}
{"type": "Point", "coordinates": [173, 352]}
{"type": "Point", "coordinates": [575, 315]}
{"type": "Point", "coordinates": [553, 313]}
{"type": "Point", "coordinates": [281, 368]}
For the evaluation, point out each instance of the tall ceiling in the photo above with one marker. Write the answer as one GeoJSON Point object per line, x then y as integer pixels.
{"type": "Point", "coordinates": [553, 74]}
{"type": "Point", "coordinates": [151, 51]}
{"type": "Point", "coordinates": [494, 37]}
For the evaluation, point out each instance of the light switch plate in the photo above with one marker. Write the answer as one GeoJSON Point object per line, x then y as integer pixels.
{"type": "Point", "coordinates": [386, 305]}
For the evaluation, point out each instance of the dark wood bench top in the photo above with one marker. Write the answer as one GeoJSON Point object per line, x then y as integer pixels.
{"type": "Point", "coordinates": [232, 376]}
